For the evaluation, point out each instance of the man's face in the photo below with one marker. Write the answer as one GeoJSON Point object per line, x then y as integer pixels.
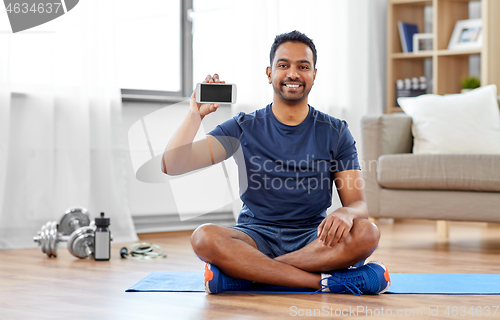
{"type": "Point", "coordinates": [292, 73]}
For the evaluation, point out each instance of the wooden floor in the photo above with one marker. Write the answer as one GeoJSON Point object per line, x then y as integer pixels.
{"type": "Point", "coordinates": [33, 286]}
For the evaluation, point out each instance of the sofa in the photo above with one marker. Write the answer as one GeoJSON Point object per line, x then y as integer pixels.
{"type": "Point", "coordinates": [400, 184]}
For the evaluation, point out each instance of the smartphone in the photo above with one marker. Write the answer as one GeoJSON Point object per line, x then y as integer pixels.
{"type": "Point", "coordinates": [215, 93]}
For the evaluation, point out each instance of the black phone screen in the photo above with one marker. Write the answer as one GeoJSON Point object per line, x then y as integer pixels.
{"type": "Point", "coordinates": [216, 93]}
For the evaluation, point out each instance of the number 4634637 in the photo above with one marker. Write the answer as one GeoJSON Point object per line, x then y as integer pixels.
{"type": "Point", "coordinates": [472, 311]}
{"type": "Point", "coordinates": [35, 7]}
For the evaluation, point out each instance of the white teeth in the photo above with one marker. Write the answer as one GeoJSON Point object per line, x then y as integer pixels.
{"type": "Point", "coordinates": [292, 85]}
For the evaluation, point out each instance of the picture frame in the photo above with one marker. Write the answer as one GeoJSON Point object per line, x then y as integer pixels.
{"type": "Point", "coordinates": [467, 34]}
{"type": "Point", "coordinates": [422, 42]}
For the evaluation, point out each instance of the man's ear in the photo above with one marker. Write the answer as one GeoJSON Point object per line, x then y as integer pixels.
{"type": "Point", "coordinates": [314, 76]}
{"type": "Point", "coordinates": [268, 72]}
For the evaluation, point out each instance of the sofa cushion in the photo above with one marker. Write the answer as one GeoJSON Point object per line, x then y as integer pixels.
{"type": "Point", "coordinates": [472, 172]}
{"type": "Point", "coordinates": [456, 123]}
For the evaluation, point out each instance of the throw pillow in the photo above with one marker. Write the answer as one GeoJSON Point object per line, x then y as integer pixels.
{"type": "Point", "coordinates": [456, 123]}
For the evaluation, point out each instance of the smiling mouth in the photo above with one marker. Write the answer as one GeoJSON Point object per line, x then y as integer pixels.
{"type": "Point", "coordinates": [292, 85]}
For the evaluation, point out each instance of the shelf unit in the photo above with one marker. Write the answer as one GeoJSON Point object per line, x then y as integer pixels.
{"type": "Point", "coordinates": [448, 67]}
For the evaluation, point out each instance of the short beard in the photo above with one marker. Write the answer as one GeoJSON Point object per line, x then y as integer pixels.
{"type": "Point", "coordinates": [295, 100]}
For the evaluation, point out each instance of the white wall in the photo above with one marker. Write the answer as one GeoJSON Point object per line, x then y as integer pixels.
{"type": "Point", "coordinates": [157, 198]}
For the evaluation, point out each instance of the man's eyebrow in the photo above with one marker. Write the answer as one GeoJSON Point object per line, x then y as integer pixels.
{"type": "Point", "coordinates": [299, 61]}
{"type": "Point", "coordinates": [304, 61]}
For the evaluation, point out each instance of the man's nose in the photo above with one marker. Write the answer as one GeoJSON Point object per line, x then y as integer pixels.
{"type": "Point", "coordinates": [292, 73]}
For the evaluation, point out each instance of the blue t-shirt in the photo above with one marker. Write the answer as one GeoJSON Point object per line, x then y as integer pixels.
{"type": "Point", "coordinates": [289, 169]}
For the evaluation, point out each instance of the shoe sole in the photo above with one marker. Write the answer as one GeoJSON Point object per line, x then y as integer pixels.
{"type": "Point", "coordinates": [209, 276]}
{"type": "Point", "coordinates": [386, 274]}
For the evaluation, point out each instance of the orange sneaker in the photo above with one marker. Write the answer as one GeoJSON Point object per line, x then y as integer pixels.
{"type": "Point", "coordinates": [216, 281]}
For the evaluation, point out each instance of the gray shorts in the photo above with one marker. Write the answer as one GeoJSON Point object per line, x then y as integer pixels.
{"type": "Point", "coordinates": [274, 241]}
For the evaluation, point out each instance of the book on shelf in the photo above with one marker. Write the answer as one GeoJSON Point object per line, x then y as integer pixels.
{"type": "Point", "coordinates": [406, 32]}
{"type": "Point", "coordinates": [413, 87]}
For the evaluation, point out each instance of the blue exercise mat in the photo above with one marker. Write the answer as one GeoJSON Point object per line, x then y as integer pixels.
{"type": "Point", "coordinates": [194, 282]}
{"type": "Point", "coordinates": [401, 283]}
{"type": "Point", "coordinates": [444, 283]}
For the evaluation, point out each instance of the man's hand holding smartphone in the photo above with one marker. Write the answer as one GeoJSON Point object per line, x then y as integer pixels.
{"type": "Point", "coordinates": [205, 108]}
{"type": "Point", "coordinates": [208, 95]}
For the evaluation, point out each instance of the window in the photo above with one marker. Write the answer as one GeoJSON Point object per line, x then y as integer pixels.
{"type": "Point", "coordinates": [213, 39]}
{"type": "Point", "coordinates": [153, 48]}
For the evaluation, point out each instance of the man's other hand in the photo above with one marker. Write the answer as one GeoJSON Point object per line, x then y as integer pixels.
{"type": "Point", "coordinates": [335, 227]}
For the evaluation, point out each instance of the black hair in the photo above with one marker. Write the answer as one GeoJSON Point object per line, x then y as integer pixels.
{"type": "Point", "coordinates": [294, 36]}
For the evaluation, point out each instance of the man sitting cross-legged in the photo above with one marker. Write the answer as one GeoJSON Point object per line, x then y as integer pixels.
{"type": "Point", "coordinates": [293, 155]}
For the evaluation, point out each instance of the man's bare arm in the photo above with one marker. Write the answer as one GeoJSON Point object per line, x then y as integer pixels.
{"type": "Point", "coordinates": [350, 186]}
{"type": "Point", "coordinates": [334, 228]}
{"type": "Point", "coordinates": [182, 155]}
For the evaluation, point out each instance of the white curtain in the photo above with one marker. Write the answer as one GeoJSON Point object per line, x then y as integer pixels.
{"type": "Point", "coordinates": [349, 36]}
{"type": "Point", "coordinates": [61, 141]}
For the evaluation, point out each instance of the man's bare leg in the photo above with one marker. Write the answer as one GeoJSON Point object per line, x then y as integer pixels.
{"type": "Point", "coordinates": [359, 244]}
{"type": "Point", "coordinates": [236, 254]}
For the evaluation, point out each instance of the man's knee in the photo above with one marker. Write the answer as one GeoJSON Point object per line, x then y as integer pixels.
{"type": "Point", "coordinates": [203, 239]}
{"type": "Point", "coordinates": [368, 234]}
